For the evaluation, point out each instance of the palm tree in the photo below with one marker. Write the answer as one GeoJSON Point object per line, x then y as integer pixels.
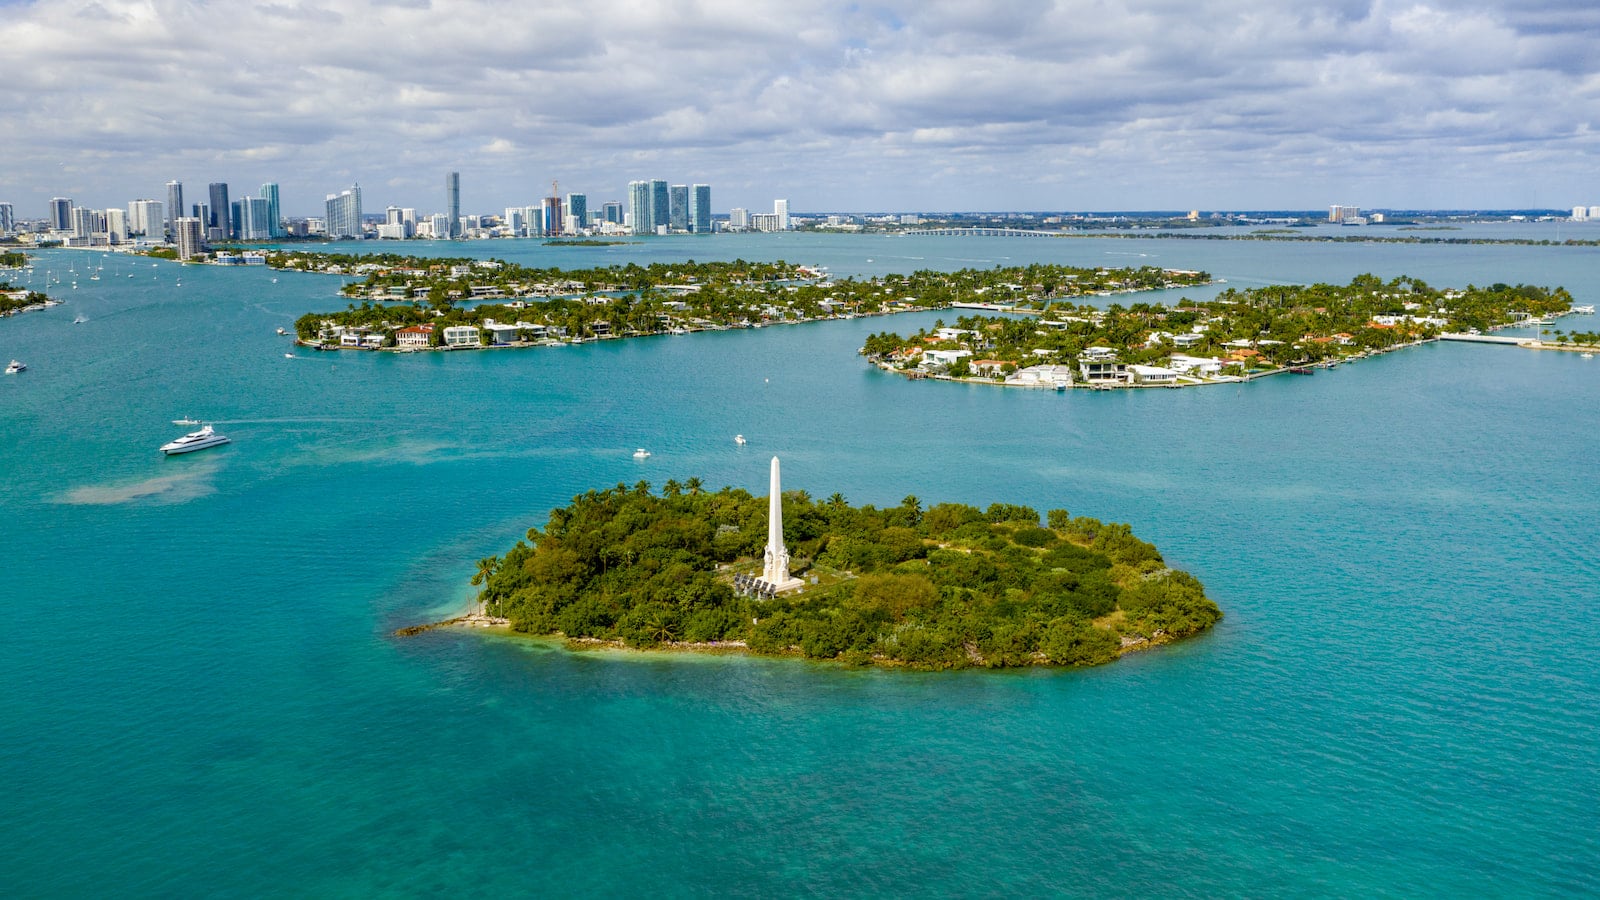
{"type": "Point", "coordinates": [694, 485]}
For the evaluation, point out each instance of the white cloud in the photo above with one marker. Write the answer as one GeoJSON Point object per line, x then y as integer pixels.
{"type": "Point", "coordinates": [884, 104]}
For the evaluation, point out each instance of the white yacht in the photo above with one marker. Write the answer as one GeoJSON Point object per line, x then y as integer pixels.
{"type": "Point", "coordinates": [194, 440]}
{"type": "Point", "coordinates": [15, 367]}
{"type": "Point", "coordinates": [641, 453]}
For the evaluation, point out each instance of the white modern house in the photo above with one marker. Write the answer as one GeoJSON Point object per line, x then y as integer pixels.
{"type": "Point", "coordinates": [1152, 375]}
{"type": "Point", "coordinates": [1199, 366]}
{"type": "Point", "coordinates": [462, 336]}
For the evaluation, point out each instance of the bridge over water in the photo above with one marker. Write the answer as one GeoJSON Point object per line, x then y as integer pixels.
{"type": "Point", "coordinates": [982, 232]}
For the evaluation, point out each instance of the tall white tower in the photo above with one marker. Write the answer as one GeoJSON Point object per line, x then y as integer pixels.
{"type": "Point", "coordinates": [775, 571]}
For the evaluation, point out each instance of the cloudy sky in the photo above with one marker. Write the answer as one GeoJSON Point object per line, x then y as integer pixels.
{"type": "Point", "coordinates": [872, 105]}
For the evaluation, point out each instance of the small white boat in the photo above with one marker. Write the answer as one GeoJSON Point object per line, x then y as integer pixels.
{"type": "Point", "coordinates": [282, 332]}
{"type": "Point", "coordinates": [288, 356]}
{"type": "Point", "coordinates": [1586, 355]}
{"type": "Point", "coordinates": [739, 439]}
{"type": "Point", "coordinates": [641, 453]}
{"type": "Point", "coordinates": [79, 320]}
{"type": "Point", "coordinates": [186, 421]}
{"type": "Point", "coordinates": [194, 440]}
{"type": "Point", "coordinates": [15, 367]}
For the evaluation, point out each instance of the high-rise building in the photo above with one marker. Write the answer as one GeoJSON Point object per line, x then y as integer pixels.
{"type": "Point", "coordinates": [738, 218]}
{"type": "Point", "coordinates": [1343, 213]}
{"type": "Point", "coordinates": [269, 192]}
{"type": "Point", "coordinates": [700, 210]}
{"type": "Point", "coordinates": [439, 226]}
{"type": "Point", "coordinates": [60, 214]}
{"type": "Point", "coordinates": [678, 200]}
{"type": "Point", "coordinates": [1580, 213]}
{"type": "Point", "coordinates": [8, 219]}
{"type": "Point", "coordinates": [554, 218]}
{"type": "Point", "coordinates": [189, 235]}
{"type": "Point", "coordinates": [612, 212]}
{"type": "Point", "coordinates": [578, 208]}
{"type": "Point", "coordinates": [512, 220]}
{"type": "Point", "coordinates": [254, 218]}
{"type": "Point", "coordinates": [174, 207]}
{"type": "Point", "coordinates": [639, 207]}
{"type": "Point", "coordinates": [116, 225]}
{"type": "Point", "coordinates": [144, 217]}
{"type": "Point", "coordinates": [660, 205]}
{"type": "Point", "coordinates": [780, 208]}
{"type": "Point", "coordinates": [452, 204]}
{"type": "Point", "coordinates": [82, 222]}
{"type": "Point", "coordinates": [220, 224]}
{"type": "Point", "coordinates": [344, 213]}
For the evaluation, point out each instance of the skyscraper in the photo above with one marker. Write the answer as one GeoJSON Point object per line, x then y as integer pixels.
{"type": "Point", "coordinates": [188, 234]}
{"type": "Point", "coordinates": [269, 192]}
{"type": "Point", "coordinates": [116, 225]}
{"type": "Point", "coordinates": [612, 212]}
{"type": "Point", "coordinates": [60, 214]}
{"type": "Point", "coordinates": [780, 208]}
{"type": "Point", "coordinates": [660, 205]}
{"type": "Point", "coordinates": [452, 203]}
{"type": "Point", "coordinates": [254, 218]}
{"type": "Point", "coordinates": [344, 213]}
{"type": "Point", "coordinates": [222, 227]}
{"type": "Point", "coordinates": [578, 208]}
{"type": "Point", "coordinates": [639, 207]}
{"type": "Point", "coordinates": [678, 215]}
{"type": "Point", "coordinates": [82, 221]}
{"type": "Point", "coordinates": [144, 217]}
{"type": "Point", "coordinates": [553, 216]}
{"type": "Point", "coordinates": [174, 207]}
{"type": "Point", "coordinates": [8, 218]}
{"type": "Point", "coordinates": [700, 210]}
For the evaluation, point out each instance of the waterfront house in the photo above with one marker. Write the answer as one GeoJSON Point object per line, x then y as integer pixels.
{"type": "Point", "coordinates": [1098, 354]}
{"type": "Point", "coordinates": [462, 336]}
{"type": "Point", "coordinates": [415, 336]}
{"type": "Point", "coordinates": [1183, 341]}
{"type": "Point", "coordinates": [988, 366]}
{"type": "Point", "coordinates": [501, 334]}
{"type": "Point", "coordinates": [1102, 370]}
{"type": "Point", "coordinates": [1041, 376]}
{"type": "Point", "coordinates": [1152, 375]}
{"type": "Point", "coordinates": [1200, 366]}
{"type": "Point", "coordinates": [942, 359]}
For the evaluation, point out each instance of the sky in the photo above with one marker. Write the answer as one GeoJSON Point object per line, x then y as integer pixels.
{"type": "Point", "coordinates": [896, 106]}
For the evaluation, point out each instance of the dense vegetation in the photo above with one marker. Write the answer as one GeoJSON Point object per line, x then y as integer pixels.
{"type": "Point", "coordinates": [945, 587]}
{"type": "Point", "coordinates": [13, 259]}
{"type": "Point", "coordinates": [1259, 327]}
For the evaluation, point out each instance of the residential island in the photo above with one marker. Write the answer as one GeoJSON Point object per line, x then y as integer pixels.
{"type": "Point", "coordinates": [410, 303]}
{"type": "Point", "coordinates": [1238, 335]}
{"type": "Point", "coordinates": [948, 586]}
{"type": "Point", "coordinates": [13, 299]}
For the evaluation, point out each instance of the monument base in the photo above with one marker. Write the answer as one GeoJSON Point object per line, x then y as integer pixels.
{"type": "Point", "coordinates": [760, 587]}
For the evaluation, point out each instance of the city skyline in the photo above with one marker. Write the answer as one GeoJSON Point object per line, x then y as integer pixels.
{"type": "Point", "coordinates": [1217, 104]}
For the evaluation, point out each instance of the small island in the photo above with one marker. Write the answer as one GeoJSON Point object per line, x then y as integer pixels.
{"type": "Point", "coordinates": [15, 300]}
{"type": "Point", "coordinates": [420, 304]}
{"type": "Point", "coordinates": [948, 586]}
{"type": "Point", "coordinates": [1238, 335]}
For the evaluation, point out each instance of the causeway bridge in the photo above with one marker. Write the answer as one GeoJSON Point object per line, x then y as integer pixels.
{"type": "Point", "coordinates": [982, 232]}
{"type": "Point", "coordinates": [1489, 339]}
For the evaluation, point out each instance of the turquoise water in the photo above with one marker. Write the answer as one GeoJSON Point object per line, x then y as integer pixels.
{"type": "Point", "coordinates": [199, 691]}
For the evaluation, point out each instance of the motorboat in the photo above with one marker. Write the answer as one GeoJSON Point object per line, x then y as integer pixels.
{"type": "Point", "coordinates": [15, 367]}
{"type": "Point", "coordinates": [641, 453]}
{"type": "Point", "coordinates": [288, 356]}
{"type": "Point", "coordinates": [739, 439]}
{"type": "Point", "coordinates": [282, 332]}
{"type": "Point", "coordinates": [194, 440]}
{"type": "Point", "coordinates": [1585, 355]}
{"type": "Point", "coordinates": [186, 421]}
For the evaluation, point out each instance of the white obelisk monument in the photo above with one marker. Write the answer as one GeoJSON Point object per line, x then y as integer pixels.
{"type": "Point", "coordinates": [775, 572]}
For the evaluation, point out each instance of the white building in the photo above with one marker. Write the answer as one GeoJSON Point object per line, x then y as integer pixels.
{"type": "Point", "coordinates": [1153, 375]}
{"type": "Point", "coordinates": [780, 208]}
{"type": "Point", "coordinates": [1200, 366]}
{"type": "Point", "coordinates": [462, 336]}
{"type": "Point", "coordinates": [1042, 376]}
{"type": "Point", "coordinates": [738, 218]}
{"type": "Point", "coordinates": [145, 218]}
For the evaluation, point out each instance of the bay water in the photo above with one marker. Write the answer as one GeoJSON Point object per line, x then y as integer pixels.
{"type": "Point", "coordinates": [200, 691]}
